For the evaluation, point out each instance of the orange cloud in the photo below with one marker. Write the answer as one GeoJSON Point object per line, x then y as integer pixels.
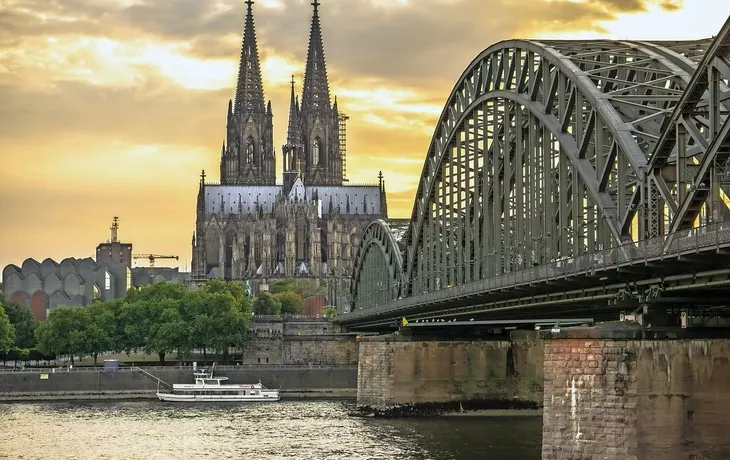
{"type": "Point", "coordinates": [113, 108]}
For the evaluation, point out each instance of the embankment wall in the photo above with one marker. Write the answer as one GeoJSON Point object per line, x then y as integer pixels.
{"type": "Point", "coordinates": [336, 381]}
{"type": "Point", "coordinates": [276, 340]}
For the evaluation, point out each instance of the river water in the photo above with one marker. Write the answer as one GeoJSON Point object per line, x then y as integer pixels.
{"type": "Point", "coordinates": [308, 430]}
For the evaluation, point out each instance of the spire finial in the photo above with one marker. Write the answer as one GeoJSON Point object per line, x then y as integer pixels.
{"type": "Point", "coordinates": [250, 4]}
{"type": "Point", "coordinates": [315, 4]}
{"type": "Point", "coordinates": [202, 177]}
{"type": "Point", "coordinates": [292, 82]}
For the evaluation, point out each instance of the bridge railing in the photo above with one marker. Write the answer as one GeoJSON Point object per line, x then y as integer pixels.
{"type": "Point", "coordinates": [682, 242]}
{"type": "Point", "coordinates": [242, 367]}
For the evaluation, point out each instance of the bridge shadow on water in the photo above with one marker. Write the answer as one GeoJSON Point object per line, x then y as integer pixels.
{"type": "Point", "coordinates": [467, 437]}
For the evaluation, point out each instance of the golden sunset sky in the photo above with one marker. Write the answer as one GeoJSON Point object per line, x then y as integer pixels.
{"type": "Point", "coordinates": [113, 107]}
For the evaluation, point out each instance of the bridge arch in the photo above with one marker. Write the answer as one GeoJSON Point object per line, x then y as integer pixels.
{"type": "Point", "coordinates": [540, 144]}
{"type": "Point", "coordinates": [378, 269]}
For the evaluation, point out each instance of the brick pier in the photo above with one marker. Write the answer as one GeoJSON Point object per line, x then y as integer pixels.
{"type": "Point", "coordinates": [621, 393]}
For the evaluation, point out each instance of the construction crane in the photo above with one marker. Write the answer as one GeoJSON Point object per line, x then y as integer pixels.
{"type": "Point", "coordinates": [152, 257]}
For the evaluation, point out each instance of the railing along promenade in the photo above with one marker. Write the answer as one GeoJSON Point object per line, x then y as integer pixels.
{"type": "Point", "coordinates": [242, 367]}
{"type": "Point", "coordinates": [684, 242]}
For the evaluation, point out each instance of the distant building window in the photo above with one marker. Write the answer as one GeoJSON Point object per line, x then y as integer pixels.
{"type": "Point", "coordinates": [250, 147]}
{"type": "Point", "coordinates": [107, 281]}
{"type": "Point", "coordinates": [315, 151]}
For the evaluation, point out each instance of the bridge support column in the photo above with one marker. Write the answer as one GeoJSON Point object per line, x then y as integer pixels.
{"type": "Point", "coordinates": [401, 376]}
{"type": "Point", "coordinates": [622, 393]}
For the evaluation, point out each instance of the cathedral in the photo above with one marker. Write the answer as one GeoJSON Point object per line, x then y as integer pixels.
{"type": "Point", "coordinates": [248, 226]}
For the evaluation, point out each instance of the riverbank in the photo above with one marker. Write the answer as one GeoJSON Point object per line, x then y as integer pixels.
{"type": "Point", "coordinates": [295, 382]}
{"type": "Point", "coordinates": [320, 394]}
{"type": "Point", "coordinates": [468, 408]}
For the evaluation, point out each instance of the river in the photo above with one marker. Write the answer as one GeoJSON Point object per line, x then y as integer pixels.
{"type": "Point", "coordinates": [308, 430]}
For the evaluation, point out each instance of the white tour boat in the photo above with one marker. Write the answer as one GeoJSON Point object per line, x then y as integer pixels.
{"type": "Point", "coordinates": [209, 388]}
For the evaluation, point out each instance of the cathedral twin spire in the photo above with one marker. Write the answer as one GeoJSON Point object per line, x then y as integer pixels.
{"type": "Point", "coordinates": [313, 130]}
{"type": "Point", "coordinates": [248, 156]}
{"type": "Point", "coordinates": [316, 94]}
{"type": "Point", "coordinates": [249, 89]}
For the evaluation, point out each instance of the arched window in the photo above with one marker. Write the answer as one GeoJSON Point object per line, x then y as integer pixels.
{"type": "Point", "coordinates": [250, 146]}
{"type": "Point", "coordinates": [316, 151]}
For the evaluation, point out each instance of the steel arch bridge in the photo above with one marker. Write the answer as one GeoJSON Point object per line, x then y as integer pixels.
{"type": "Point", "coordinates": [551, 151]}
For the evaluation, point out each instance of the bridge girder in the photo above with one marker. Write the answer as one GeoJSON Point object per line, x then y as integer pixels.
{"type": "Point", "coordinates": [378, 267]}
{"type": "Point", "coordinates": [590, 112]}
{"type": "Point", "coordinates": [552, 150]}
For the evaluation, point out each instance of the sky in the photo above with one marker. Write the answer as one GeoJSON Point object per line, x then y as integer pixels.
{"type": "Point", "coordinates": [112, 108]}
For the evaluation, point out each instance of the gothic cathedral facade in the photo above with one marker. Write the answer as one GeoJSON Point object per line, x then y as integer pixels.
{"type": "Point", "coordinates": [248, 227]}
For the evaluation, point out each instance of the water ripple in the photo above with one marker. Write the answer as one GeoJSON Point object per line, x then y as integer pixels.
{"type": "Point", "coordinates": [307, 430]}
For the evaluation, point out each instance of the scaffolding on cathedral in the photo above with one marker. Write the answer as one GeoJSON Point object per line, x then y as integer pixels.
{"type": "Point", "coordinates": [343, 144]}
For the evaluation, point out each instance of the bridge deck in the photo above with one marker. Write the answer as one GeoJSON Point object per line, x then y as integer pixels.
{"type": "Point", "coordinates": [586, 283]}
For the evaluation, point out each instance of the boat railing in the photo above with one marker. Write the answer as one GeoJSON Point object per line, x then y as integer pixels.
{"type": "Point", "coordinates": [154, 377]}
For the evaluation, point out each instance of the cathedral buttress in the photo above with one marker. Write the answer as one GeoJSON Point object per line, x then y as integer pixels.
{"type": "Point", "coordinates": [248, 154]}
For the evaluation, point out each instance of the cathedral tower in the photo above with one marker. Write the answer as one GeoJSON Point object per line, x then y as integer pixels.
{"type": "Point", "coordinates": [247, 156]}
{"type": "Point", "coordinates": [316, 122]}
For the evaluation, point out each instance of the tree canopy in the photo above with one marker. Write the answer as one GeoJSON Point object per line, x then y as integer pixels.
{"type": "Point", "coordinates": [7, 331]}
{"type": "Point", "coordinates": [266, 304]}
{"type": "Point", "coordinates": [291, 302]}
{"type": "Point", "coordinates": [158, 319]}
{"type": "Point", "coordinates": [304, 287]}
{"type": "Point", "coordinates": [23, 321]}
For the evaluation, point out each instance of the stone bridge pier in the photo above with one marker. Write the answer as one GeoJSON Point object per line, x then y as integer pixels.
{"type": "Point", "coordinates": [624, 393]}
{"type": "Point", "coordinates": [610, 392]}
{"type": "Point", "coordinates": [402, 375]}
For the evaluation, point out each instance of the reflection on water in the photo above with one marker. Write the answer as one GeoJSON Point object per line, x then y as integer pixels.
{"type": "Point", "coordinates": [295, 430]}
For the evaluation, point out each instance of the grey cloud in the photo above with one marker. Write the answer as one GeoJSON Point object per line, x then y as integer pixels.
{"type": "Point", "coordinates": [431, 41]}
{"type": "Point", "coordinates": [157, 112]}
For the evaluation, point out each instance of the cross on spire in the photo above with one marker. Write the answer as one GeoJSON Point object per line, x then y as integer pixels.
{"type": "Point", "coordinates": [315, 4]}
{"type": "Point", "coordinates": [249, 3]}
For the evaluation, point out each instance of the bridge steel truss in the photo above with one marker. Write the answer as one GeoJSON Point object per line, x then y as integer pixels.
{"type": "Point", "coordinates": [378, 264]}
{"type": "Point", "coordinates": [547, 151]}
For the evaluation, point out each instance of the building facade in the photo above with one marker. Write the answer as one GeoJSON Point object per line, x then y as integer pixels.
{"type": "Point", "coordinates": [43, 286]}
{"type": "Point", "coordinates": [308, 225]}
{"type": "Point", "coordinates": [114, 251]}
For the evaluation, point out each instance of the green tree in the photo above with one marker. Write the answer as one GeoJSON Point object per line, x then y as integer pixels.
{"type": "Point", "coordinates": [63, 333]}
{"type": "Point", "coordinates": [304, 287]}
{"type": "Point", "coordinates": [23, 321]}
{"type": "Point", "coordinates": [266, 304]}
{"type": "Point", "coordinates": [140, 312]}
{"type": "Point", "coordinates": [131, 326]}
{"type": "Point", "coordinates": [99, 329]}
{"type": "Point", "coordinates": [330, 312]}
{"type": "Point", "coordinates": [7, 332]}
{"type": "Point", "coordinates": [291, 302]}
{"type": "Point", "coordinates": [24, 355]}
{"type": "Point", "coordinates": [116, 309]}
{"type": "Point", "coordinates": [285, 285]}
{"type": "Point", "coordinates": [166, 329]}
